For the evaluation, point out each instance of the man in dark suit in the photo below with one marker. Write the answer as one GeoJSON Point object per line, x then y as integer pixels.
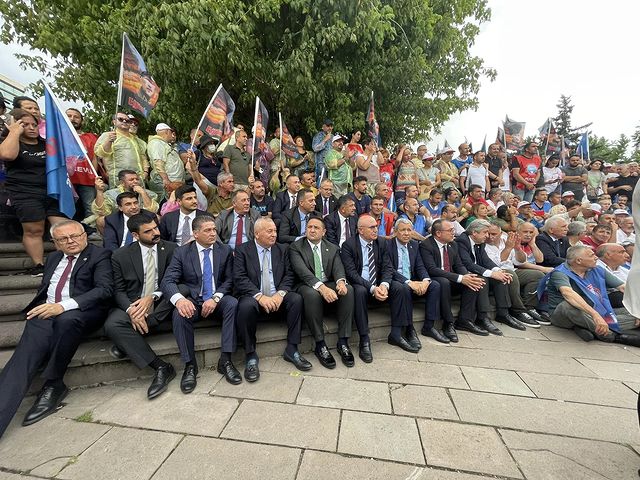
{"type": "Point", "coordinates": [326, 203]}
{"type": "Point", "coordinates": [316, 263]}
{"type": "Point", "coordinates": [176, 226]}
{"type": "Point", "coordinates": [368, 268]}
{"type": "Point", "coordinates": [73, 300]}
{"type": "Point", "coordinates": [439, 253]}
{"type": "Point", "coordinates": [338, 221]}
{"type": "Point", "coordinates": [263, 282]}
{"type": "Point", "coordinates": [205, 267]}
{"type": "Point", "coordinates": [116, 234]}
{"type": "Point", "coordinates": [409, 270]}
{"type": "Point", "coordinates": [553, 242]}
{"type": "Point", "coordinates": [137, 273]}
{"type": "Point", "coordinates": [235, 226]}
{"type": "Point", "coordinates": [293, 223]}
{"type": "Point", "coordinates": [286, 199]}
{"type": "Point", "coordinates": [471, 246]}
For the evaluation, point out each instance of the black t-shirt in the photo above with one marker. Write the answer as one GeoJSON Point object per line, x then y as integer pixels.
{"type": "Point", "coordinates": [27, 173]}
{"type": "Point", "coordinates": [265, 206]}
{"type": "Point", "coordinates": [628, 180]}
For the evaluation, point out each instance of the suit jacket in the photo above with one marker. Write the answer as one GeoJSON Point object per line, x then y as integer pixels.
{"type": "Point", "coordinates": [169, 224]}
{"type": "Point", "coordinates": [281, 205]}
{"type": "Point", "coordinates": [247, 274]}
{"type": "Point", "coordinates": [303, 265]}
{"type": "Point", "coordinates": [430, 253]}
{"type": "Point", "coordinates": [333, 204]}
{"type": "Point", "coordinates": [114, 229]}
{"type": "Point", "coordinates": [334, 227]}
{"type": "Point", "coordinates": [553, 255]}
{"type": "Point", "coordinates": [90, 281]}
{"type": "Point", "coordinates": [351, 255]}
{"type": "Point", "coordinates": [290, 226]}
{"type": "Point", "coordinates": [224, 224]}
{"type": "Point", "coordinates": [482, 261]}
{"type": "Point", "coordinates": [128, 271]}
{"type": "Point", "coordinates": [185, 269]}
{"type": "Point", "coordinates": [418, 270]}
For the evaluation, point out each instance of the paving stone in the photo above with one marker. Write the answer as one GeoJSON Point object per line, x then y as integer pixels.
{"type": "Point", "coordinates": [557, 334]}
{"type": "Point", "coordinates": [284, 424]}
{"type": "Point", "coordinates": [83, 400]}
{"type": "Point", "coordinates": [496, 381]}
{"type": "Point", "coordinates": [635, 386]}
{"type": "Point", "coordinates": [551, 457]}
{"type": "Point", "coordinates": [580, 389]}
{"type": "Point", "coordinates": [613, 370]}
{"type": "Point", "coordinates": [282, 366]}
{"type": "Point", "coordinates": [508, 332]}
{"type": "Point", "coordinates": [52, 467]}
{"type": "Point", "coordinates": [516, 361]}
{"type": "Point", "coordinates": [277, 387]}
{"type": "Point", "coordinates": [123, 453]}
{"type": "Point", "coordinates": [417, 373]}
{"type": "Point", "coordinates": [548, 416]}
{"type": "Point", "coordinates": [454, 445]}
{"type": "Point", "coordinates": [420, 401]}
{"type": "Point", "coordinates": [346, 394]}
{"type": "Point", "coordinates": [171, 411]}
{"type": "Point", "coordinates": [380, 436]}
{"type": "Point", "coordinates": [24, 448]}
{"type": "Point", "coordinates": [213, 459]}
{"type": "Point", "coordinates": [15, 476]}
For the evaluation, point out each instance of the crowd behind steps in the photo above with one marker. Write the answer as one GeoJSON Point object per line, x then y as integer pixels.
{"type": "Point", "coordinates": [191, 235]}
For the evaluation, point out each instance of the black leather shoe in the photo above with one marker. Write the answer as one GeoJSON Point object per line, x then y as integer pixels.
{"type": "Point", "coordinates": [364, 352]}
{"type": "Point", "coordinates": [48, 401]}
{"type": "Point", "coordinates": [325, 358]}
{"type": "Point", "coordinates": [230, 372]}
{"type": "Point", "coordinates": [541, 317]}
{"type": "Point", "coordinates": [449, 331]}
{"type": "Point", "coordinates": [189, 382]}
{"type": "Point", "coordinates": [626, 339]}
{"type": "Point", "coordinates": [346, 355]}
{"type": "Point", "coordinates": [251, 370]}
{"type": "Point", "coordinates": [509, 321]}
{"type": "Point", "coordinates": [298, 360]}
{"type": "Point", "coordinates": [527, 320]}
{"type": "Point", "coordinates": [488, 325]}
{"type": "Point", "coordinates": [435, 334]}
{"type": "Point", "coordinates": [161, 380]}
{"type": "Point", "coordinates": [584, 334]}
{"type": "Point", "coordinates": [116, 353]}
{"type": "Point", "coordinates": [471, 327]}
{"type": "Point", "coordinates": [413, 340]}
{"type": "Point", "coordinates": [402, 343]}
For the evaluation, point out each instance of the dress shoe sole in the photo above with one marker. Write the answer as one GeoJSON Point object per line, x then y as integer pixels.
{"type": "Point", "coordinates": [237, 381]}
{"type": "Point", "coordinates": [475, 332]}
{"type": "Point", "coordinates": [163, 389]}
{"type": "Point", "coordinates": [26, 423]}
{"type": "Point", "coordinates": [325, 364]}
{"type": "Point", "coordinates": [365, 359]}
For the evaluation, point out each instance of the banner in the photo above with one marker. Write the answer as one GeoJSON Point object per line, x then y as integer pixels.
{"type": "Point", "coordinates": [583, 147]}
{"type": "Point", "coordinates": [136, 88]}
{"type": "Point", "coordinates": [484, 144]}
{"type": "Point", "coordinates": [260, 122]}
{"type": "Point", "coordinates": [64, 152]}
{"type": "Point", "coordinates": [550, 138]}
{"type": "Point", "coordinates": [372, 125]}
{"type": "Point", "coordinates": [500, 137]}
{"type": "Point", "coordinates": [217, 119]}
{"type": "Point", "coordinates": [287, 145]}
{"type": "Point", "coordinates": [513, 133]}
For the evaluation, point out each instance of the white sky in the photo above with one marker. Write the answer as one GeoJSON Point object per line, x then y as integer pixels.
{"type": "Point", "coordinates": [540, 49]}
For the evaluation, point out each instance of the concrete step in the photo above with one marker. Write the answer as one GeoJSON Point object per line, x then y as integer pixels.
{"type": "Point", "coordinates": [16, 284]}
{"type": "Point", "coordinates": [17, 249]}
{"type": "Point", "coordinates": [13, 304]}
{"type": "Point", "coordinates": [15, 263]}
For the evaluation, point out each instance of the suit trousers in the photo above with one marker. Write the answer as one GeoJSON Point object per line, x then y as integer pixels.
{"type": "Point", "coordinates": [431, 304]}
{"type": "Point", "coordinates": [51, 342]}
{"type": "Point", "coordinates": [468, 299]}
{"type": "Point", "coordinates": [183, 328]}
{"type": "Point", "coordinates": [118, 328]}
{"type": "Point", "coordinates": [529, 280]}
{"type": "Point", "coordinates": [399, 300]}
{"type": "Point", "coordinates": [315, 306]}
{"type": "Point", "coordinates": [500, 294]}
{"type": "Point", "coordinates": [250, 313]}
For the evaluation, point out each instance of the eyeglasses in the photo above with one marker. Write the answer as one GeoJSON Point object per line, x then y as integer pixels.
{"type": "Point", "coordinates": [64, 240]}
{"type": "Point", "coordinates": [123, 119]}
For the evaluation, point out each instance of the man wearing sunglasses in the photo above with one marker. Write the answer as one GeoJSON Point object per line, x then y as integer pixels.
{"type": "Point", "coordinates": [119, 150]}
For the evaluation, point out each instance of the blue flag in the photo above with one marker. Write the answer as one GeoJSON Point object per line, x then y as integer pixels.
{"type": "Point", "coordinates": [64, 151]}
{"type": "Point", "coordinates": [583, 146]}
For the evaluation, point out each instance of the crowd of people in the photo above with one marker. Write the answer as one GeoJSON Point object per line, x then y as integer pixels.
{"type": "Point", "coordinates": [208, 233]}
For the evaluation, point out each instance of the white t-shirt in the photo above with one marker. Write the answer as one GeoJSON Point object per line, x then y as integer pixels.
{"type": "Point", "coordinates": [475, 175]}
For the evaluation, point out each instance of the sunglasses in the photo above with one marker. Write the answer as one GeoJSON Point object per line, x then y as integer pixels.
{"type": "Point", "coordinates": [123, 119]}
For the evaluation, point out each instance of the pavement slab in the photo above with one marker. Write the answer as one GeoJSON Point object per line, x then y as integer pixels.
{"type": "Point", "coordinates": [613, 370]}
{"type": "Point", "coordinates": [345, 393]}
{"type": "Point", "coordinates": [284, 424]}
{"type": "Point", "coordinates": [15, 476]}
{"type": "Point", "coordinates": [421, 401]}
{"type": "Point", "coordinates": [385, 437]}
{"type": "Point", "coordinates": [276, 387]}
{"type": "Point", "coordinates": [80, 401]}
{"type": "Point", "coordinates": [496, 381]}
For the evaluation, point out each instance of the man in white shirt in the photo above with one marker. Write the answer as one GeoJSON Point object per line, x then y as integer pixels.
{"type": "Point", "coordinates": [612, 257]}
{"type": "Point", "coordinates": [175, 226]}
{"type": "Point", "coordinates": [476, 173]}
{"type": "Point", "coordinates": [625, 230]}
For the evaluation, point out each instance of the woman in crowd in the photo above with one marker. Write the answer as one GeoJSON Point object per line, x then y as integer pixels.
{"type": "Point", "coordinates": [304, 161]}
{"type": "Point", "coordinates": [354, 145]}
{"type": "Point", "coordinates": [552, 174]}
{"type": "Point", "coordinates": [448, 171]}
{"type": "Point", "coordinates": [367, 165]}
{"type": "Point", "coordinates": [406, 171]}
{"type": "Point", "coordinates": [576, 232]}
{"type": "Point", "coordinates": [507, 218]}
{"type": "Point", "coordinates": [479, 211]}
{"type": "Point", "coordinates": [596, 181]}
{"type": "Point", "coordinates": [428, 176]}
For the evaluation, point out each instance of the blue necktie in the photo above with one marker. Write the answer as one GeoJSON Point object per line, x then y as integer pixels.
{"type": "Point", "coordinates": [207, 275]}
{"type": "Point", "coordinates": [128, 239]}
{"type": "Point", "coordinates": [406, 267]}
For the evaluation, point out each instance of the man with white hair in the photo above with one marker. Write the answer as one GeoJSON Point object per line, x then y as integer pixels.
{"type": "Point", "coordinates": [626, 230]}
{"type": "Point", "coordinates": [553, 242]}
{"type": "Point", "coordinates": [168, 168]}
{"type": "Point", "coordinates": [612, 257]}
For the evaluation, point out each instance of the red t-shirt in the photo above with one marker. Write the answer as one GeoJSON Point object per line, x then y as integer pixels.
{"type": "Point", "coordinates": [529, 168]}
{"type": "Point", "coordinates": [83, 174]}
{"type": "Point", "coordinates": [386, 174]}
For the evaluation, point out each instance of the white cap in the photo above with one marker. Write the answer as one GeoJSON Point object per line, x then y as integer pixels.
{"type": "Point", "coordinates": [162, 126]}
{"type": "Point", "coordinates": [606, 165]}
{"type": "Point", "coordinates": [596, 207]}
{"type": "Point", "coordinates": [568, 193]}
{"type": "Point", "coordinates": [337, 137]}
{"type": "Point", "coordinates": [523, 203]}
{"type": "Point", "coordinates": [428, 156]}
{"type": "Point", "coordinates": [445, 150]}
{"type": "Point", "coordinates": [620, 211]}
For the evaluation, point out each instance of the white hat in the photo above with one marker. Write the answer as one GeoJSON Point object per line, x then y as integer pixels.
{"type": "Point", "coordinates": [162, 126]}
{"type": "Point", "coordinates": [336, 138]}
{"type": "Point", "coordinates": [568, 193]}
{"type": "Point", "coordinates": [523, 203]}
{"type": "Point", "coordinates": [606, 165]}
{"type": "Point", "coordinates": [596, 207]}
{"type": "Point", "coordinates": [620, 211]}
{"type": "Point", "coordinates": [445, 149]}
{"type": "Point", "coordinates": [428, 156]}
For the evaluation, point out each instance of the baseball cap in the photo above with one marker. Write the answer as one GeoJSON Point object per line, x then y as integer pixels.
{"type": "Point", "coordinates": [523, 203]}
{"type": "Point", "coordinates": [568, 193]}
{"type": "Point", "coordinates": [162, 126]}
{"type": "Point", "coordinates": [337, 137]}
{"type": "Point", "coordinates": [428, 156]}
{"type": "Point", "coordinates": [328, 122]}
{"type": "Point", "coordinates": [620, 211]}
{"type": "Point", "coordinates": [596, 207]}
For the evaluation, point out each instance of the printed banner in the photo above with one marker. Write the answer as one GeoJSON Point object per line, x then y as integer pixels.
{"type": "Point", "coordinates": [549, 138]}
{"type": "Point", "coordinates": [136, 88]}
{"type": "Point", "coordinates": [217, 120]}
{"type": "Point", "coordinates": [513, 134]}
{"type": "Point", "coordinates": [260, 122]}
{"type": "Point", "coordinates": [288, 146]}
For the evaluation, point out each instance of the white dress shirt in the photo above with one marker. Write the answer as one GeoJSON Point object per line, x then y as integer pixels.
{"type": "Point", "coordinates": [201, 249]}
{"type": "Point", "coordinates": [126, 230]}
{"type": "Point", "coordinates": [145, 251]}
{"type": "Point", "coordinates": [192, 217]}
{"type": "Point", "coordinates": [66, 301]}
{"type": "Point", "coordinates": [441, 251]}
{"type": "Point", "coordinates": [343, 231]}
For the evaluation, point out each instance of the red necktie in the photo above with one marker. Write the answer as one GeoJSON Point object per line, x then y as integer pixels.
{"type": "Point", "coordinates": [446, 263]}
{"type": "Point", "coordinates": [239, 230]}
{"type": "Point", "coordinates": [63, 279]}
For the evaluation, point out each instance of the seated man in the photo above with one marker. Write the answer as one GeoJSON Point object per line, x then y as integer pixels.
{"type": "Point", "coordinates": [264, 282]}
{"type": "Point", "coordinates": [384, 219]}
{"type": "Point", "coordinates": [205, 268]}
{"type": "Point", "coordinates": [553, 242]}
{"type": "Point", "coordinates": [286, 200]}
{"type": "Point", "coordinates": [576, 296]}
{"type": "Point", "coordinates": [342, 223]}
{"type": "Point", "coordinates": [293, 222]}
{"type": "Point", "coordinates": [260, 201]}
{"type": "Point", "coordinates": [600, 235]}
{"type": "Point", "coordinates": [317, 265]}
{"type": "Point", "coordinates": [218, 196]}
{"type": "Point", "coordinates": [326, 203]}
{"type": "Point", "coordinates": [175, 226]}
{"type": "Point", "coordinates": [139, 301]}
{"type": "Point", "coordinates": [614, 258]}
{"type": "Point", "coordinates": [359, 195]}
{"type": "Point", "coordinates": [116, 234]}
{"type": "Point", "coordinates": [235, 226]}
{"type": "Point", "coordinates": [368, 268]}
{"type": "Point", "coordinates": [418, 221]}
{"type": "Point", "coordinates": [72, 301]}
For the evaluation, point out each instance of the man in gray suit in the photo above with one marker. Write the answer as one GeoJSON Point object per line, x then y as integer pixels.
{"type": "Point", "coordinates": [235, 225]}
{"type": "Point", "coordinates": [317, 264]}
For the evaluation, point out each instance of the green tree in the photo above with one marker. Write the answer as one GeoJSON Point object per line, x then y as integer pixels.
{"type": "Point", "coordinates": [600, 148]}
{"type": "Point", "coordinates": [563, 123]}
{"type": "Point", "coordinates": [307, 59]}
{"type": "Point", "coordinates": [620, 148]}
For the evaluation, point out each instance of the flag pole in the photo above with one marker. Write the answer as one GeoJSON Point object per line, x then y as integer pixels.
{"type": "Point", "coordinates": [255, 130]}
{"type": "Point", "coordinates": [121, 77]}
{"type": "Point", "coordinates": [280, 151]}
{"type": "Point", "coordinates": [204, 115]}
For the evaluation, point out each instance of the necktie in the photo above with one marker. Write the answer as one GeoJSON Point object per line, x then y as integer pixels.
{"type": "Point", "coordinates": [292, 201]}
{"type": "Point", "coordinates": [347, 230]}
{"type": "Point", "coordinates": [63, 279]}
{"type": "Point", "coordinates": [325, 208]}
{"type": "Point", "coordinates": [186, 231]}
{"type": "Point", "coordinates": [406, 266]}
{"type": "Point", "coordinates": [303, 224]}
{"type": "Point", "coordinates": [239, 230]}
{"type": "Point", "coordinates": [446, 262]}
{"type": "Point", "coordinates": [128, 240]}
{"type": "Point", "coordinates": [557, 244]}
{"type": "Point", "coordinates": [476, 253]}
{"type": "Point", "coordinates": [149, 275]}
{"type": "Point", "coordinates": [317, 264]}
{"type": "Point", "coordinates": [266, 280]}
{"type": "Point", "coordinates": [207, 275]}
{"type": "Point", "coordinates": [372, 264]}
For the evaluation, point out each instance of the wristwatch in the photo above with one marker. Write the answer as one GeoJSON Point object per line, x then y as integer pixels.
{"type": "Point", "coordinates": [155, 297]}
{"type": "Point", "coordinates": [282, 293]}
{"type": "Point", "coordinates": [216, 299]}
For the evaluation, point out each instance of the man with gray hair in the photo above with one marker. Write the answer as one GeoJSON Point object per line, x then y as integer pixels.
{"type": "Point", "coordinates": [577, 298]}
{"type": "Point", "coordinates": [553, 242]}
{"type": "Point", "coordinates": [612, 257]}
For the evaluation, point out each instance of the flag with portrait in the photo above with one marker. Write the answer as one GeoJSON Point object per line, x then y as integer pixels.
{"type": "Point", "coordinates": [137, 90]}
{"type": "Point", "coordinates": [260, 122]}
{"type": "Point", "coordinates": [217, 119]}
{"type": "Point", "coordinates": [513, 134]}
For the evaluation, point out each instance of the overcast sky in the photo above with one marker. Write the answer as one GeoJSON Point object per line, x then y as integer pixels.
{"type": "Point", "coordinates": [540, 49]}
